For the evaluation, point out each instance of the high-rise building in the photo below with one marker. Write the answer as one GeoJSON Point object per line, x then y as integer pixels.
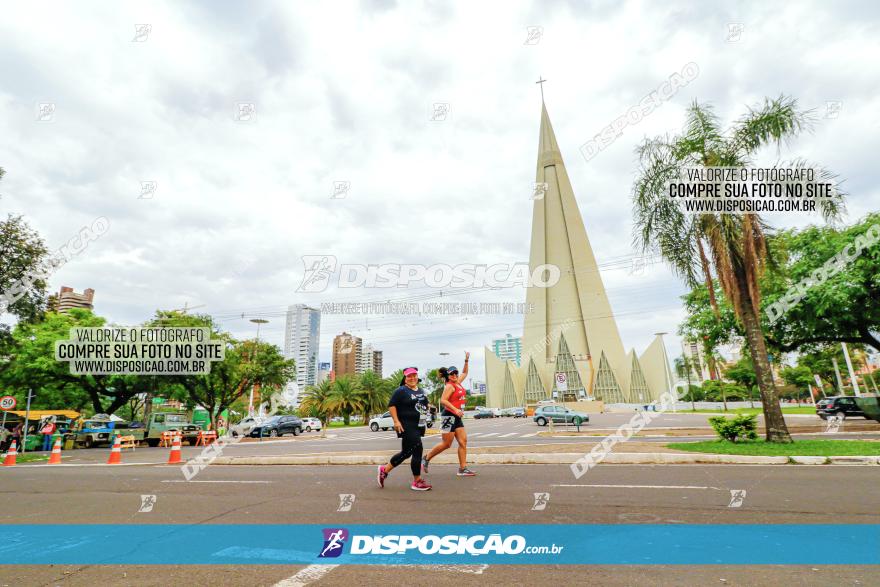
{"type": "Point", "coordinates": [347, 350]}
{"type": "Point", "coordinates": [508, 348]}
{"type": "Point", "coordinates": [573, 349]}
{"type": "Point", "coordinates": [301, 340]}
{"type": "Point", "coordinates": [699, 365]}
{"type": "Point", "coordinates": [323, 372]}
{"type": "Point", "coordinates": [377, 363]}
{"type": "Point", "coordinates": [369, 359]}
{"type": "Point", "coordinates": [66, 299]}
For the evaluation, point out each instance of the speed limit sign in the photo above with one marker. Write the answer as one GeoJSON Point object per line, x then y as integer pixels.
{"type": "Point", "coordinates": [7, 402]}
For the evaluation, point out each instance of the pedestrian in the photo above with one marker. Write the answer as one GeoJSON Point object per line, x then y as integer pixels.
{"type": "Point", "coordinates": [17, 432]}
{"type": "Point", "coordinates": [47, 431]}
{"type": "Point", "coordinates": [409, 410]}
{"type": "Point", "coordinates": [452, 427]}
{"type": "Point", "coordinates": [5, 439]}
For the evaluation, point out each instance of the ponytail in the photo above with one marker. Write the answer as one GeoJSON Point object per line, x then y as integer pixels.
{"type": "Point", "coordinates": [443, 374]}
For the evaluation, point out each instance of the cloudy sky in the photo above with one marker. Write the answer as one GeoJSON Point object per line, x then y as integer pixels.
{"type": "Point", "coordinates": [345, 92]}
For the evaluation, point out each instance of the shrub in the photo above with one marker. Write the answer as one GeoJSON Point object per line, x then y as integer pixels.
{"type": "Point", "coordinates": [742, 426]}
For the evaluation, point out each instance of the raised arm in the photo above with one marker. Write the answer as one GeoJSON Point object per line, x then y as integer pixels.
{"type": "Point", "coordinates": [464, 370]}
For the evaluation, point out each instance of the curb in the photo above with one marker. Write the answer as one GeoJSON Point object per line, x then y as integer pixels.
{"type": "Point", "coordinates": [632, 458]}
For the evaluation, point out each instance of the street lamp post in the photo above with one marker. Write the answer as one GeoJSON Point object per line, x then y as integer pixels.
{"type": "Point", "coordinates": [667, 372]}
{"type": "Point", "coordinates": [258, 322]}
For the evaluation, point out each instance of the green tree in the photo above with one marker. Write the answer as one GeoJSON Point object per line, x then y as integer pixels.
{"type": "Point", "coordinates": [844, 307]}
{"type": "Point", "coordinates": [31, 364]}
{"type": "Point", "coordinates": [685, 367]}
{"type": "Point", "coordinates": [711, 326]}
{"type": "Point", "coordinates": [375, 393]}
{"type": "Point", "coordinates": [433, 386]}
{"type": "Point", "coordinates": [246, 364]}
{"type": "Point", "coordinates": [314, 402]}
{"type": "Point", "coordinates": [743, 373]}
{"type": "Point", "coordinates": [24, 264]}
{"type": "Point", "coordinates": [345, 398]}
{"type": "Point", "coordinates": [730, 247]}
{"type": "Point", "coordinates": [799, 377]}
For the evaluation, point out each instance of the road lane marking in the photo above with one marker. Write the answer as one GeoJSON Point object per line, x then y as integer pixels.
{"type": "Point", "coordinates": [303, 577]}
{"type": "Point", "coordinates": [508, 434]}
{"type": "Point", "coordinates": [641, 486]}
{"type": "Point", "coordinates": [211, 481]}
{"type": "Point", "coordinates": [530, 435]}
{"type": "Point", "coordinates": [490, 434]}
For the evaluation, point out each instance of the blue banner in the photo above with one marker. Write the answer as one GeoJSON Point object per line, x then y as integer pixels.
{"type": "Point", "coordinates": [368, 544]}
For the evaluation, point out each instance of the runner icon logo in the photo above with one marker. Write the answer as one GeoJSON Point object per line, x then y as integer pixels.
{"type": "Point", "coordinates": [541, 500]}
{"type": "Point", "coordinates": [334, 541]}
{"type": "Point", "coordinates": [346, 500]}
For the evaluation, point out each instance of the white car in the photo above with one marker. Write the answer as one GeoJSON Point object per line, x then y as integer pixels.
{"type": "Point", "coordinates": [310, 424]}
{"type": "Point", "coordinates": [244, 427]}
{"type": "Point", "coordinates": [385, 422]}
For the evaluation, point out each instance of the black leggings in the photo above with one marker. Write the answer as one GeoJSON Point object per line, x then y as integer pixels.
{"type": "Point", "coordinates": [411, 446]}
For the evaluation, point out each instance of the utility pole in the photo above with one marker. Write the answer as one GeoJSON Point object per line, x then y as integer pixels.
{"type": "Point", "coordinates": [258, 322]}
{"type": "Point", "coordinates": [849, 367]}
{"type": "Point", "coordinates": [27, 417]}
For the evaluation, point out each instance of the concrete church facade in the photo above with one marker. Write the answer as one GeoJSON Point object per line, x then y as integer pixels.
{"type": "Point", "coordinates": [571, 329]}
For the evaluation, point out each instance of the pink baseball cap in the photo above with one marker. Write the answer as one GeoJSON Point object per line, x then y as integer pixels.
{"type": "Point", "coordinates": [410, 371]}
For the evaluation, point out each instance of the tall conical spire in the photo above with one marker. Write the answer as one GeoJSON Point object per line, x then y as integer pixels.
{"type": "Point", "coordinates": [548, 149]}
{"type": "Point", "coordinates": [578, 299]}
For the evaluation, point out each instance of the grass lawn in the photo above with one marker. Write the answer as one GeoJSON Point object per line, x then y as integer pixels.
{"type": "Point", "coordinates": [30, 457]}
{"type": "Point", "coordinates": [758, 410]}
{"type": "Point", "coordinates": [802, 448]}
{"type": "Point", "coordinates": [342, 425]}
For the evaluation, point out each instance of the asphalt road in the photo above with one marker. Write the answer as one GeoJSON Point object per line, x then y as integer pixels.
{"type": "Point", "coordinates": [495, 432]}
{"type": "Point", "coordinates": [612, 494]}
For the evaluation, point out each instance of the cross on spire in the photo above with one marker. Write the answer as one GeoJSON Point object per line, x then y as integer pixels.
{"type": "Point", "coordinates": [540, 83]}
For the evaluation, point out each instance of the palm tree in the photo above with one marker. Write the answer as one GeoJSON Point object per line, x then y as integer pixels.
{"type": "Point", "coordinates": [314, 402]}
{"type": "Point", "coordinates": [732, 246]}
{"type": "Point", "coordinates": [345, 397]}
{"type": "Point", "coordinates": [375, 393]}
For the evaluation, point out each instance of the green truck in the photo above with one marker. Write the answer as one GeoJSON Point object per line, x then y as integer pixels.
{"type": "Point", "coordinates": [99, 432]}
{"type": "Point", "coordinates": [870, 405]}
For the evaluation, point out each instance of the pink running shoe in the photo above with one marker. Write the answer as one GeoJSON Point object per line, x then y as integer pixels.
{"type": "Point", "coordinates": [380, 478]}
{"type": "Point", "coordinates": [420, 485]}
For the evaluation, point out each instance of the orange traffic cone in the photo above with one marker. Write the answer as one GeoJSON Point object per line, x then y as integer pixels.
{"type": "Point", "coordinates": [55, 457]}
{"type": "Point", "coordinates": [10, 456]}
{"type": "Point", "coordinates": [115, 452]}
{"type": "Point", "coordinates": [174, 457]}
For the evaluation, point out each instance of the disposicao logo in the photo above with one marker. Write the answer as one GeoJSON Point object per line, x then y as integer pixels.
{"type": "Point", "coordinates": [334, 541]}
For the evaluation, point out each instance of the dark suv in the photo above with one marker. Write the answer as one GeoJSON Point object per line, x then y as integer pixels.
{"type": "Point", "coordinates": [278, 426]}
{"type": "Point", "coordinates": [841, 406]}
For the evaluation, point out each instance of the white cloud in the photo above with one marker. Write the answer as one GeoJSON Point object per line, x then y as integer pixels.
{"type": "Point", "coordinates": [344, 93]}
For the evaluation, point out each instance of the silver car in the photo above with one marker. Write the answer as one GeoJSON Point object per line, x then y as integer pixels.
{"type": "Point", "coordinates": [244, 427]}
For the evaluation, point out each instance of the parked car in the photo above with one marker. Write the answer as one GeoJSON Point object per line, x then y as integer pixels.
{"type": "Point", "coordinates": [385, 422]}
{"type": "Point", "coordinates": [311, 424]}
{"type": "Point", "coordinates": [483, 413]}
{"type": "Point", "coordinates": [278, 426]}
{"type": "Point", "coordinates": [559, 415]}
{"type": "Point", "coordinates": [840, 406]}
{"type": "Point", "coordinates": [244, 427]}
{"type": "Point", "coordinates": [518, 412]}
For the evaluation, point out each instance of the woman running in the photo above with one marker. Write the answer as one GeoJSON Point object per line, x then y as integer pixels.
{"type": "Point", "coordinates": [452, 400]}
{"type": "Point", "coordinates": [409, 410]}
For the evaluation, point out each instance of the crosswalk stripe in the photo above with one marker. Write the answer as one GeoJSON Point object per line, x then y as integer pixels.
{"type": "Point", "coordinates": [490, 434]}
{"type": "Point", "coordinates": [510, 434]}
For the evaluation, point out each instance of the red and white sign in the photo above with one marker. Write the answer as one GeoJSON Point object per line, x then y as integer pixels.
{"type": "Point", "coordinates": [7, 402]}
{"type": "Point", "coordinates": [561, 381]}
